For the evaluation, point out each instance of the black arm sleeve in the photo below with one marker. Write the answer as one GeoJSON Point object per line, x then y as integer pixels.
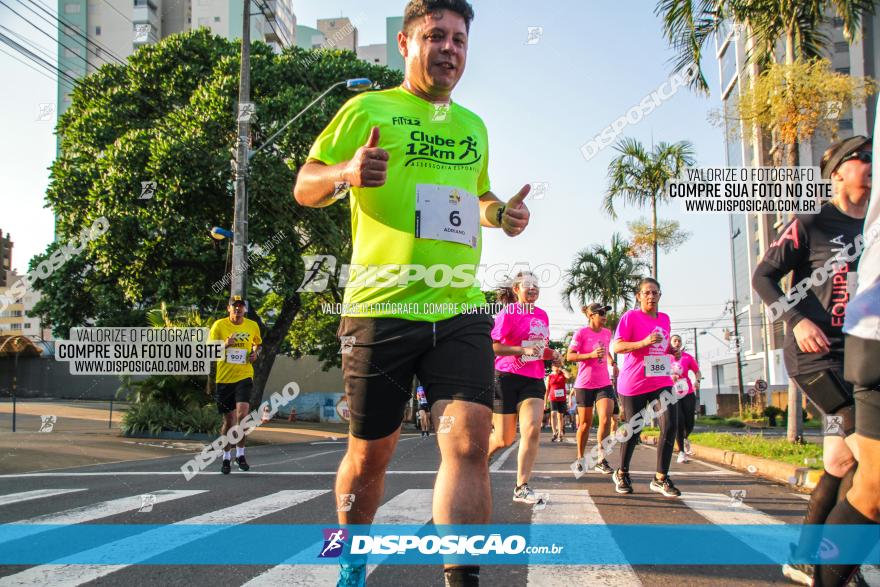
{"type": "Point", "coordinates": [786, 254]}
{"type": "Point", "coordinates": [765, 282]}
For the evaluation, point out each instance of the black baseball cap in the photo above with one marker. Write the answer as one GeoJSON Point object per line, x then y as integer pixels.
{"type": "Point", "coordinates": [838, 151]}
{"type": "Point", "coordinates": [593, 308]}
{"type": "Point", "coordinates": [236, 300]}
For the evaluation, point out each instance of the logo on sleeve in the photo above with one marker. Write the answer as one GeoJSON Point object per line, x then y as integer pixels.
{"type": "Point", "coordinates": [790, 233]}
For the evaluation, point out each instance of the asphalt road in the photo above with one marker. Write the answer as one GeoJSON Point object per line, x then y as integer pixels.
{"type": "Point", "coordinates": [292, 484]}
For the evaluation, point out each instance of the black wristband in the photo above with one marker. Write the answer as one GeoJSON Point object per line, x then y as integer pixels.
{"type": "Point", "coordinates": [500, 213]}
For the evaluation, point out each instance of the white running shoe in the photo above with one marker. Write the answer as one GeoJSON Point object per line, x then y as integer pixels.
{"type": "Point", "coordinates": [682, 457]}
{"type": "Point", "coordinates": [524, 494]}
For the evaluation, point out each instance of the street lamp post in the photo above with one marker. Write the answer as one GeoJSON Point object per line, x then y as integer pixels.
{"type": "Point", "coordinates": [241, 162]}
{"type": "Point", "coordinates": [739, 374]}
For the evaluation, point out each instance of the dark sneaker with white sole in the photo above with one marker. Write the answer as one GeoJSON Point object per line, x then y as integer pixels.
{"type": "Point", "coordinates": [226, 467]}
{"type": "Point", "coordinates": [622, 483]}
{"type": "Point", "coordinates": [603, 467]}
{"type": "Point", "coordinates": [242, 463]}
{"type": "Point", "coordinates": [665, 487]}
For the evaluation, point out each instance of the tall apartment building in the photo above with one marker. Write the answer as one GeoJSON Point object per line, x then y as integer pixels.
{"type": "Point", "coordinates": [119, 27]}
{"type": "Point", "coordinates": [13, 318]}
{"type": "Point", "coordinates": [5, 258]}
{"type": "Point", "coordinates": [341, 33]}
{"type": "Point", "coordinates": [750, 235]}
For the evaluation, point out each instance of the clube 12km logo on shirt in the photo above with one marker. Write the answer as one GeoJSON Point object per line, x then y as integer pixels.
{"type": "Point", "coordinates": [435, 148]}
{"type": "Point", "coordinates": [335, 540]}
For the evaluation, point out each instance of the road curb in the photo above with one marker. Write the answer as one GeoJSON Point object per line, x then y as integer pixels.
{"type": "Point", "coordinates": [798, 477]}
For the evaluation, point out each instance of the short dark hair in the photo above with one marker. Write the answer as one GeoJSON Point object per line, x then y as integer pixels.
{"type": "Point", "coordinates": [648, 280]}
{"type": "Point", "coordinates": [416, 9]}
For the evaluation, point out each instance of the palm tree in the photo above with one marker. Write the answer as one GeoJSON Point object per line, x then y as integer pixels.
{"type": "Point", "coordinates": [689, 24]}
{"type": "Point", "coordinates": [639, 177]}
{"type": "Point", "coordinates": [609, 276]}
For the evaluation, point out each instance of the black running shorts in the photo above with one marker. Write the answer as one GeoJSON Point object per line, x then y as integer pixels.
{"type": "Point", "coordinates": [587, 397]}
{"type": "Point", "coordinates": [561, 407]}
{"type": "Point", "coordinates": [511, 389]}
{"type": "Point", "coordinates": [452, 358]}
{"type": "Point", "coordinates": [229, 394]}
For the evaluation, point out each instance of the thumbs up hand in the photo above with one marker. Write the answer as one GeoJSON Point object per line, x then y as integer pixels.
{"type": "Point", "coordinates": [369, 166]}
{"type": "Point", "coordinates": [516, 214]}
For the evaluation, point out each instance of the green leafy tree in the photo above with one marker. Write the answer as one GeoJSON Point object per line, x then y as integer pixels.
{"type": "Point", "coordinates": [796, 24]}
{"type": "Point", "coordinates": [606, 275]}
{"type": "Point", "coordinates": [638, 177]}
{"type": "Point", "coordinates": [168, 116]}
{"type": "Point", "coordinates": [793, 102]}
{"type": "Point", "coordinates": [669, 236]}
{"type": "Point", "coordinates": [794, 28]}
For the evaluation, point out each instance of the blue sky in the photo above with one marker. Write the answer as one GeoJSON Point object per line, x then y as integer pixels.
{"type": "Point", "coordinates": [540, 102]}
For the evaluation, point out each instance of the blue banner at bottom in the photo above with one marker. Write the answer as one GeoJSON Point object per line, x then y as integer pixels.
{"type": "Point", "coordinates": [494, 544]}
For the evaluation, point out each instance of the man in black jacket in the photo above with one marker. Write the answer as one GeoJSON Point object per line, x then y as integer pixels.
{"type": "Point", "coordinates": [821, 251]}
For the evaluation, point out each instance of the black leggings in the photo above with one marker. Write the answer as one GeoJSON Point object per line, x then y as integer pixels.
{"type": "Point", "coordinates": [633, 404]}
{"type": "Point", "coordinates": [686, 417]}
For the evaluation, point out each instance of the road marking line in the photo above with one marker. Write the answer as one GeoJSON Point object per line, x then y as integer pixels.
{"type": "Point", "coordinates": [704, 463]}
{"type": "Point", "coordinates": [93, 512]}
{"type": "Point", "coordinates": [148, 544]}
{"type": "Point", "coordinates": [410, 507]}
{"type": "Point", "coordinates": [575, 506]}
{"type": "Point", "coordinates": [496, 466]}
{"type": "Point", "coordinates": [36, 494]}
{"type": "Point", "coordinates": [717, 508]}
{"type": "Point", "coordinates": [253, 473]}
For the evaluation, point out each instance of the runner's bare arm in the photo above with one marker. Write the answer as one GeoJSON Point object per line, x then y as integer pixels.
{"type": "Point", "coordinates": [515, 216]}
{"type": "Point", "coordinates": [623, 346]}
{"type": "Point", "coordinates": [573, 356]}
{"type": "Point", "coordinates": [317, 184]}
{"type": "Point", "coordinates": [503, 350]}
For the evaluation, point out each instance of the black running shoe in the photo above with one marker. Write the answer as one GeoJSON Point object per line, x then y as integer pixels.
{"type": "Point", "coordinates": [622, 483]}
{"type": "Point", "coordinates": [603, 467]}
{"type": "Point", "coordinates": [226, 467]}
{"type": "Point", "coordinates": [242, 464]}
{"type": "Point", "coordinates": [665, 487]}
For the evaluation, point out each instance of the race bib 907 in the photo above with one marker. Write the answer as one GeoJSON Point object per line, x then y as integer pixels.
{"type": "Point", "coordinates": [236, 356]}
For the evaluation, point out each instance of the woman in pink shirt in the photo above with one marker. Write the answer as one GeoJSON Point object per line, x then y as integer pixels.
{"type": "Point", "coordinates": [589, 347]}
{"type": "Point", "coordinates": [644, 381]}
{"type": "Point", "coordinates": [687, 402]}
{"type": "Point", "coordinates": [520, 339]}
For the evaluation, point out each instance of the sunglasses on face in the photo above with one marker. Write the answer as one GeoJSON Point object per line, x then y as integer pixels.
{"type": "Point", "coordinates": [599, 313]}
{"type": "Point", "coordinates": [863, 156]}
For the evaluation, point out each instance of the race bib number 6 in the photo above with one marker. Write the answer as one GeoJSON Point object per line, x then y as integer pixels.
{"type": "Point", "coordinates": [236, 356]}
{"type": "Point", "coordinates": [658, 365]}
{"type": "Point", "coordinates": [447, 213]}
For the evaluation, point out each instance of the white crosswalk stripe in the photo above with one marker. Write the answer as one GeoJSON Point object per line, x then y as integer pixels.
{"type": "Point", "coordinates": [718, 509]}
{"type": "Point", "coordinates": [90, 513]}
{"type": "Point", "coordinates": [575, 506]}
{"type": "Point", "coordinates": [411, 507]}
{"type": "Point", "coordinates": [36, 494]}
{"type": "Point", "coordinates": [154, 542]}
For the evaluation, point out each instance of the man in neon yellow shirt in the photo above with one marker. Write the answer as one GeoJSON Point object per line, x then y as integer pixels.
{"type": "Point", "coordinates": [417, 166]}
{"type": "Point", "coordinates": [235, 373]}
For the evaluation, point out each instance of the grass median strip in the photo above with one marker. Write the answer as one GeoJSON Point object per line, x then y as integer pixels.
{"type": "Point", "coordinates": [775, 449]}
